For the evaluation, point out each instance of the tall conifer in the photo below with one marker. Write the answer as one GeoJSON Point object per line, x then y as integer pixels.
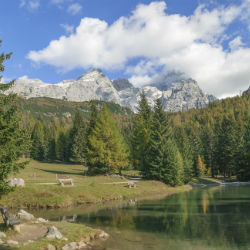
{"type": "Point", "coordinates": [107, 151]}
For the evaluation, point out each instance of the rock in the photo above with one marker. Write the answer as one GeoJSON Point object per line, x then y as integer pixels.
{"type": "Point", "coordinates": [12, 242]}
{"type": "Point", "coordinates": [42, 220]}
{"type": "Point", "coordinates": [18, 182]}
{"type": "Point", "coordinates": [82, 245]}
{"type": "Point", "coordinates": [25, 215]}
{"type": "Point", "coordinates": [176, 91]}
{"type": "Point", "coordinates": [64, 238]}
{"type": "Point", "coordinates": [103, 235]}
{"type": "Point", "coordinates": [2, 235]}
{"type": "Point", "coordinates": [53, 233]}
{"type": "Point", "coordinates": [28, 242]}
{"type": "Point", "coordinates": [17, 228]}
{"type": "Point", "coordinates": [1, 242]}
{"type": "Point", "coordinates": [70, 246]}
{"type": "Point", "coordinates": [51, 247]}
{"type": "Point", "coordinates": [8, 219]}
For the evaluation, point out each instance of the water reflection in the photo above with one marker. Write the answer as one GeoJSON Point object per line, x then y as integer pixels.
{"type": "Point", "coordinates": [213, 218]}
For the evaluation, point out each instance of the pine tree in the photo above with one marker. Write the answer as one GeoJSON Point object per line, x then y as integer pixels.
{"type": "Point", "coordinates": [78, 136]}
{"type": "Point", "coordinates": [107, 151]}
{"type": "Point", "coordinates": [172, 171]}
{"type": "Point", "coordinates": [156, 151]}
{"type": "Point", "coordinates": [13, 138]}
{"type": "Point", "coordinates": [141, 135]}
{"type": "Point", "coordinates": [38, 150]}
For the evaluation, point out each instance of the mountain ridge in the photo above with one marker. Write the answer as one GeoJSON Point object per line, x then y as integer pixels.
{"type": "Point", "coordinates": [181, 95]}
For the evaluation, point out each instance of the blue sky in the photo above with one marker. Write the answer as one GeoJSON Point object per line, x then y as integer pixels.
{"type": "Point", "coordinates": [54, 40]}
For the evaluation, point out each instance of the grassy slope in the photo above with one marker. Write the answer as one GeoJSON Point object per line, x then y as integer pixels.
{"type": "Point", "coordinates": [85, 190]}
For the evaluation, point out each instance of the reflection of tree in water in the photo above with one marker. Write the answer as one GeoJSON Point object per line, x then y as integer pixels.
{"type": "Point", "coordinates": [211, 218]}
{"type": "Point", "coordinates": [216, 219]}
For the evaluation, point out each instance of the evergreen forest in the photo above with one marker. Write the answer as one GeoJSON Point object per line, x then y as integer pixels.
{"type": "Point", "coordinates": [170, 147]}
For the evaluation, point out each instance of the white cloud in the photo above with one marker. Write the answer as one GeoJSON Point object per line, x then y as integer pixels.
{"type": "Point", "coordinates": [236, 43]}
{"type": "Point", "coordinates": [30, 4]}
{"type": "Point", "coordinates": [189, 44]}
{"type": "Point", "coordinates": [34, 4]}
{"type": "Point", "coordinates": [68, 28]}
{"type": "Point", "coordinates": [74, 8]}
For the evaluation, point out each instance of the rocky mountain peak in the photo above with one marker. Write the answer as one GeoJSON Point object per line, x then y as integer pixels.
{"type": "Point", "coordinates": [121, 84]}
{"type": "Point", "coordinates": [92, 75]}
{"type": "Point", "coordinates": [182, 94]}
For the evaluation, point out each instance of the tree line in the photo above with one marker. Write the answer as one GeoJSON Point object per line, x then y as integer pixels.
{"type": "Point", "coordinates": [170, 147]}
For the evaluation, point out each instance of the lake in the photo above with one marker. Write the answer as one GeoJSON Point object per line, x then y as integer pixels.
{"type": "Point", "coordinates": [204, 218]}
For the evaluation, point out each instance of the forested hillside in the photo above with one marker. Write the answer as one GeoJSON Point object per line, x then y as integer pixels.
{"type": "Point", "coordinates": [171, 147]}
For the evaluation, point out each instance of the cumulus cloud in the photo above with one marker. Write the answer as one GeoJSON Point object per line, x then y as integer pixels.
{"type": "Point", "coordinates": [74, 8]}
{"type": "Point", "coordinates": [190, 44]}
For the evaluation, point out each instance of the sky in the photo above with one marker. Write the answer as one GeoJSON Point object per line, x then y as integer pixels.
{"type": "Point", "coordinates": [55, 40]}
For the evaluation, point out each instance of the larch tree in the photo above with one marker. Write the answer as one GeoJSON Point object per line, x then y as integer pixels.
{"type": "Point", "coordinates": [107, 151]}
{"type": "Point", "coordinates": [13, 137]}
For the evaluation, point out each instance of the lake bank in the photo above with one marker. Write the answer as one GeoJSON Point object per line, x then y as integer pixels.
{"type": "Point", "coordinates": [43, 191]}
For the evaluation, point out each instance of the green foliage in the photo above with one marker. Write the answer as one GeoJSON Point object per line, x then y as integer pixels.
{"type": "Point", "coordinates": [141, 135]}
{"type": "Point", "coordinates": [172, 172]}
{"type": "Point", "coordinates": [13, 138]}
{"type": "Point", "coordinates": [200, 167]}
{"type": "Point", "coordinates": [107, 151]}
{"type": "Point", "coordinates": [79, 139]}
{"type": "Point", "coordinates": [156, 149]}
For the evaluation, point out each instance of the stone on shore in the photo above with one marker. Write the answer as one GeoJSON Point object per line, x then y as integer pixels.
{"type": "Point", "coordinates": [2, 235]}
{"type": "Point", "coordinates": [70, 246]}
{"type": "Point", "coordinates": [42, 220]}
{"type": "Point", "coordinates": [51, 247]}
{"type": "Point", "coordinates": [53, 233]}
{"type": "Point", "coordinates": [12, 242]}
{"type": "Point", "coordinates": [16, 182]}
{"type": "Point", "coordinates": [103, 235]}
{"type": "Point", "coordinates": [25, 215]}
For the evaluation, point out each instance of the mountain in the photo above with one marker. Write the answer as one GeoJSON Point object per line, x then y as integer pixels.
{"type": "Point", "coordinates": [182, 94]}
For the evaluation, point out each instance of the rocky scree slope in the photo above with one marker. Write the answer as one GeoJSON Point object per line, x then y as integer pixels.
{"type": "Point", "coordinates": [181, 95]}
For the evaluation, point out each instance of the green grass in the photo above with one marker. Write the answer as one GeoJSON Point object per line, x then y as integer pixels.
{"type": "Point", "coordinates": [86, 189]}
{"type": "Point", "coordinates": [73, 232]}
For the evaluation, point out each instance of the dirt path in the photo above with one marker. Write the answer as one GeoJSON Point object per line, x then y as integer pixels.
{"type": "Point", "coordinates": [30, 232]}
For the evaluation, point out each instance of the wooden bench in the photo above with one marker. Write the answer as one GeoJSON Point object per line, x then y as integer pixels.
{"type": "Point", "coordinates": [66, 181]}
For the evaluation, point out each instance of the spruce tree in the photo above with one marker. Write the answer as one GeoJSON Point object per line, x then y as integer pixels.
{"type": "Point", "coordinates": [172, 171]}
{"type": "Point", "coordinates": [13, 138]}
{"type": "Point", "coordinates": [38, 150]}
{"type": "Point", "coordinates": [156, 151]}
{"type": "Point", "coordinates": [141, 135]}
{"type": "Point", "coordinates": [78, 139]}
{"type": "Point", "coordinates": [107, 151]}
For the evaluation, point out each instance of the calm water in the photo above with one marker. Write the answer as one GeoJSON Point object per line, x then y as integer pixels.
{"type": "Point", "coordinates": [210, 218]}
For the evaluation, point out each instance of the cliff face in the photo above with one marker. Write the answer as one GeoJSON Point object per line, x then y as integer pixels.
{"type": "Point", "coordinates": [94, 85]}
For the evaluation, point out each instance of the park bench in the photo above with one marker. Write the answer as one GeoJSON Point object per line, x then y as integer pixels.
{"type": "Point", "coordinates": [66, 181]}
